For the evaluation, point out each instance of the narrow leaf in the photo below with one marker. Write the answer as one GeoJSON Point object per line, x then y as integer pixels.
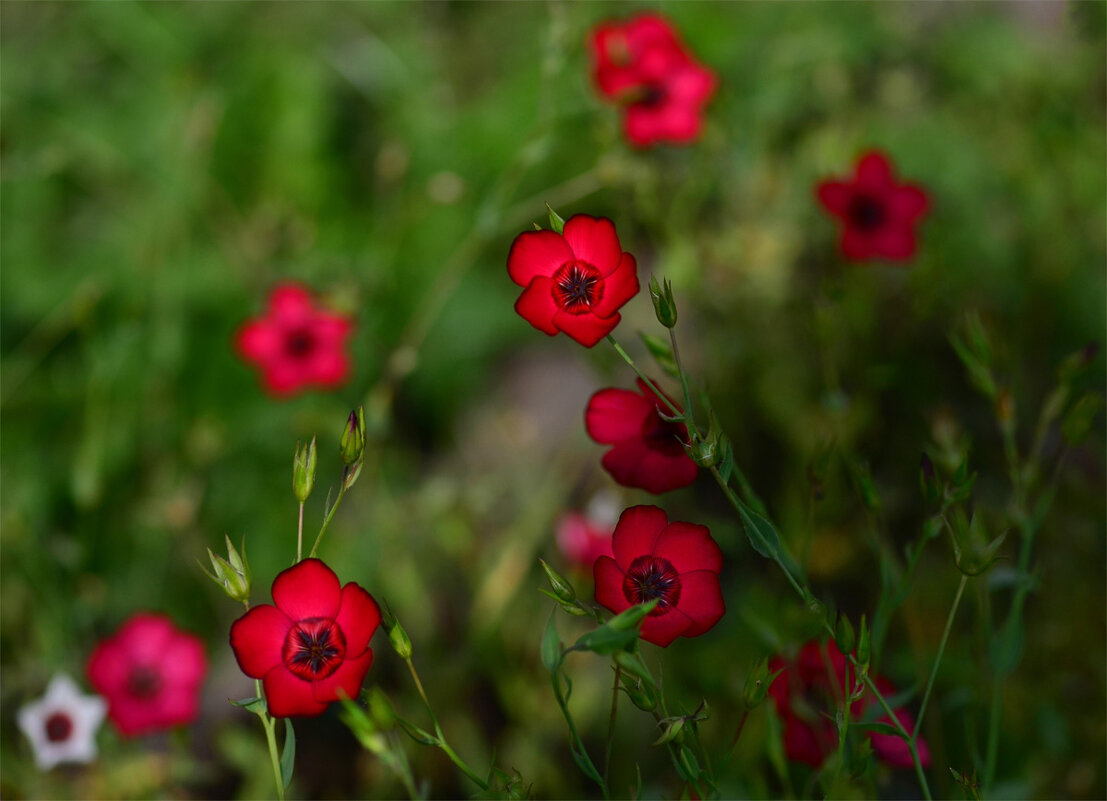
{"type": "Point", "coordinates": [551, 646]}
{"type": "Point", "coordinates": [288, 755]}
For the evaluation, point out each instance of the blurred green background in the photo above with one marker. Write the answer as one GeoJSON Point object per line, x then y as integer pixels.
{"type": "Point", "coordinates": [165, 164]}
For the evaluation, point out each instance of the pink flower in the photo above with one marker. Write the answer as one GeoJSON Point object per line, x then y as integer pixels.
{"type": "Point", "coordinates": [582, 540]}
{"type": "Point", "coordinates": [150, 672]}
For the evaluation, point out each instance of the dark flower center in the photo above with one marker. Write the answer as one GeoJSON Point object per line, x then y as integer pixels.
{"type": "Point", "coordinates": [653, 95]}
{"type": "Point", "coordinates": [58, 727]}
{"type": "Point", "coordinates": [652, 577]}
{"type": "Point", "coordinates": [314, 648]}
{"type": "Point", "coordinates": [144, 682]}
{"type": "Point", "coordinates": [866, 212]}
{"type": "Point", "coordinates": [577, 287]}
{"type": "Point", "coordinates": [299, 343]}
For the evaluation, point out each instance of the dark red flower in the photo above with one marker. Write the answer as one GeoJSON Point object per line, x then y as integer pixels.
{"type": "Point", "coordinates": [648, 451]}
{"type": "Point", "coordinates": [878, 214]}
{"type": "Point", "coordinates": [676, 563]}
{"type": "Point", "coordinates": [807, 693]}
{"type": "Point", "coordinates": [582, 540]}
{"type": "Point", "coordinates": [150, 672]}
{"type": "Point", "coordinates": [312, 645]}
{"type": "Point", "coordinates": [643, 65]}
{"type": "Point", "coordinates": [296, 345]}
{"type": "Point", "coordinates": [576, 281]}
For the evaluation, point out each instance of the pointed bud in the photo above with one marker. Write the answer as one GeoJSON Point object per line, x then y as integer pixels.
{"type": "Point", "coordinates": [557, 223]}
{"type": "Point", "coordinates": [844, 636]}
{"type": "Point", "coordinates": [352, 445]}
{"type": "Point", "coordinates": [232, 573]}
{"type": "Point", "coordinates": [401, 643]}
{"type": "Point", "coordinates": [303, 470]}
{"type": "Point", "coordinates": [705, 453]}
{"type": "Point", "coordinates": [663, 303]}
{"type": "Point", "coordinates": [640, 693]}
{"type": "Point", "coordinates": [929, 483]}
{"type": "Point", "coordinates": [559, 584]}
{"type": "Point", "coordinates": [757, 684]}
{"type": "Point", "coordinates": [864, 646]}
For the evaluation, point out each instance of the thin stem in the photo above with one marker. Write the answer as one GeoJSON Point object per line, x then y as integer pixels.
{"type": "Point", "coordinates": [683, 379]}
{"type": "Point", "coordinates": [640, 374]}
{"type": "Point", "coordinates": [941, 652]}
{"type": "Point", "coordinates": [270, 736]}
{"type": "Point", "coordinates": [738, 731]}
{"type": "Point", "coordinates": [300, 535]}
{"type": "Point", "coordinates": [611, 724]}
{"type": "Point", "coordinates": [327, 520]}
{"type": "Point", "coordinates": [899, 727]}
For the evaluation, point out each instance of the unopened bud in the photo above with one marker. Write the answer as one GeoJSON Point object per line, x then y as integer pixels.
{"type": "Point", "coordinates": [557, 222]}
{"type": "Point", "coordinates": [352, 445]}
{"type": "Point", "coordinates": [929, 483]}
{"type": "Point", "coordinates": [401, 643]}
{"type": "Point", "coordinates": [559, 584]}
{"type": "Point", "coordinates": [631, 618]}
{"type": "Point", "coordinates": [864, 646]}
{"type": "Point", "coordinates": [705, 453]}
{"type": "Point", "coordinates": [303, 471]}
{"type": "Point", "coordinates": [757, 684]}
{"type": "Point", "coordinates": [663, 303]}
{"type": "Point", "coordinates": [640, 693]}
{"type": "Point", "coordinates": [232, 573]}
{"type": "Point", "coordinates": [844, 636]}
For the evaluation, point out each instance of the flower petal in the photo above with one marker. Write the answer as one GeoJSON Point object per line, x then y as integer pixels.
{"type": "Point", "coordinates": [615, 415]}
{"type": "Point", "coordinates": [183, 662]}
{"type": "Point", "coordinates": [619, 287]}
{"type": "Point", "coordinates": [535, 253]}
{"type": "Point", "coordinates": [689, 547]}
{"type": "Point", "coordinates": [347, 678]}
{"type": "Point", "coordinates": [287, 695]}
{"type": "Point", "coordinates": [587, 329]}
{"type": "Point", "coordinates": [307, 589]}
{"type": "Point", "coordinates": [701, 598]}
{"type": "Point", "coordinates": [257, 639]}
{"type": "Point", "coordinates": [908, 202]}
{"type": "Point", "coordinates": [328, 368]}
{"type": "Point", "coordinates": [609, 585]}
{"type": "Point", "coordinates": [636, 532]}
{"type": "Point", "coordinates": [259, 340]}
{"type": "Point", "coordinates": [873, 171]}
{"type": "Point", "coordinates": [537, 306]}
{"type": "Point", "coordinates": [290, 303]}
{"type": "Point", "coordinates": [358, 617]}
{"type": "Point", "coordinates": [835, 196]}
{"type": "Point", "coordinates": [895, 242]}
{"type": "Point", "coordinates": [857, 245]}
{"type": "Point", "coordinates": [663, 629]}
{"type": "Point", "coordinates": [893, 750]}
{"type": "Point", "coordinates": [593, 240]}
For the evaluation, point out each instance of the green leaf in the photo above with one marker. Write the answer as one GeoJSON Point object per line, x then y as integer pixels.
{"type": "Point", "coordinates": [726, 463]}
{"type": "Point", "coordinates": [606, 640]}
{"type": "Point", "coordinates": [417, 734]}
{"type": "Point", "coordinates": [557, 223]}
{"type": "Point", "coordinates": [632, 663]}
{"type": "Point", "coordinates": [580, 756]}
{"type": "Point", "coordinates": [551, 646]}
{"type": "Point", "coordinates": [288, 755]}
{"type": "Point", "coordinates": [255, 705]}
{"type": "Point", "coordinates": [880, 728]}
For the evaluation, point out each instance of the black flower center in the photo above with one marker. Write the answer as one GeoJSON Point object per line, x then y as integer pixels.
{"type": "Point", "coordinates": [577, 287]}
{"type": "Point", "coordinates": [652, 577]}
{"type": "Point", "coordinates": [653, 95]}
{"type": "Point", "coordinates": [866, 212]}
{"type": "Point", "coordinates": [144, 682]}
{"type": "Point", "coordinates": [58, 727]}
{"type": "Point", "coordinates": [314, 648]}
{"type": "Point", "coordinates": [299, 343]}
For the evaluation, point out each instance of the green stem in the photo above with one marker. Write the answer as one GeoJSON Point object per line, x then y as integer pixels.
{"type": "Point", "coordinates": [941, 652]}
{"type": "Point", "coordinates": [327, 520]}
{"type": "Point", "coordinates": [611, 724]}
{"type": "Point", "coordinates": [899, 727]}
{"type": "Point", "coordinates": [630, 363]}
{"type": "Point", "coordinates": [300, 535]}
{"type": "Point", "coordinates": [683, 381]}
{"type": "Point", "coordinates": [270, 735]}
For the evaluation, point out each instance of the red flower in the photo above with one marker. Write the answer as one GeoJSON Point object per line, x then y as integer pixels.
{"type": "Point", "coordinates": [878, 214]}
{"type": "Point", "coordinates": [295, 344]}
{"type": "Point", "coordinates": [576, 281]}
{"type": "Point", "coordinates": [643, 65]}
{"type": "Point", "coordinates": [312, 645]}
{"type": "Point", "coordinates": [582, 540]}
{"type": "Point", "coordinates": [648, 451]}
{"type": "Point", "coordinates": [150, 672]}
{"type": "Point", "coordinates": [676, 563]}
{"type": "Point", "coordinates": [806, 695]}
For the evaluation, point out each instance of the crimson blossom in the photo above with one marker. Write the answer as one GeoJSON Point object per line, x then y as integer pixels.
{"type": "Point", "coordinates": [296, 344]}
{"type": "Point", "coordinates": [574, 281]}
{"type": "Point", "coordinates": [647, 451]}
{"type": "Point", "coordinates": [878, 214]}
{"type": "Point", "coordinates": [311, 647]}
{"type": "Point", "coordinates": [642, 65]}
{"type": "Point", "coordinates": [150, 672]}
{"type": "Point", "coordinates": [676, 563]}
{"type": "Point", "coordinates": [808, 691]}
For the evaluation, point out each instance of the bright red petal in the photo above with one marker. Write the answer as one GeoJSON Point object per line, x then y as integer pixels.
{"type": "Point", "coordinates": [619, 287]}
{"type": "Point", "coordinates": [835, 196]}
{"type": "Point", "coordinates": [183, 663]}
{"type": "Point", "coordinates": [636, 532]}
{"type": "Point", "coordinates": [895, 242]}
{"type": "Point", "coordinates": [287, 695]}
{"type": "Point", "coordinates": [857, 245]}
{"type": "Point", "coordinates": [537, 306]}
{"type": "Point", "coordinates": [347, 678]}
{"type": "Point", "coordinates": [283, 377]}
{"type": "Point", "coordinates": [358, 617]}
{"type": "Point", "coordinates": [257, 639]}
{"type": "Point", "coordinates": [689, 547]}
{"type": "Point", "coordinates": [615, 415]}
{"type": "Point", "coordinates": [893, 750]}
{"type": "Point", "coordinates": [874, 172]}
{"type": "Point", "coordinates": [643, 126]}
{"type": "Point", "coordinates": [259, 341]}
{"type": "Point", "coordinates": [609, 585]}
{"type": "Point", "coordinates": [701, 598]}
{"type": "Point", "coordinates": [144, 636]}
{"type": "Point", "coordinates": [801, 742]}
{"type": "Point", "coordinates": [593, 240]}
{"type": "Point", "coordinates": [535, 253]}
{"type": "Point", "coordinates": [307, 589]}
{"type": "Point", "coordinates": [587, 329]}
{"type": "Point", "coordinates": [908, 202]}
{"type": "Point", "coordinates": [663, 629]}
{"type": "Point", "coordinates": [290, 302]}
{"type": "Point", "coordinates": [328, 368]}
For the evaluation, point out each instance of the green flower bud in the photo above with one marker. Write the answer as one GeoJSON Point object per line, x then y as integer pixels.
{"type": "Point", "coordinates": [232, 573]}
{"type": "Point", "coordinates": [757, 684]}
{"type": "Point", "coordinates": [352, 445]}
{"type": "Point", "coordinates": [705, 453]}
{"type": "Point", "coordinates": [557, 222]}
{"type": "Point", "coordinates": [864, 646]}
{"type": "Point", "coordinates": [663, 304]}
{"type": "Point", "coordinates": [640, 693]}
{"type": "Point", "coordinates": [631, 618]}
{"type": "Point", "coordinates": [303, 470]}
{"type": "Point", "coordinates": [844, 636]}
{"type": "Point", "coordinates": [401, 643]}
{"type": "Point", "coordinates": [559, 584]}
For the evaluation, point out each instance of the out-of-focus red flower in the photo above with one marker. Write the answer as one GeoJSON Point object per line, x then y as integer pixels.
{"type": "Point", "coordinates": [312, 645]}
{"type": "Point", "coordinates": [647, 451]}
{"type": "Point", "coordinates": [676, 563]}
{"type": "Point", "coordinates": [574, 281]}
{"type": "Point", "coordinates": [296, 344]}
{"type": "Point", "coordinates": [878, 214]}
{"type": "Point", "coordinates": [582, 540]}
{"type": "Point", "coordinates": [642, 65]}
{"type": "Point", "coordinates": [150, 672]}
{"type": "Point", "coordinates": [807, 693]}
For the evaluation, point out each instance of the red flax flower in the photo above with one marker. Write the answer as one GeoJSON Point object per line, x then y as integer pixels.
{"type": "Point", "coordinates": [676, 563]}
{"type": "Point", "coordinates": [310, 647]}
{"type": "Point", "coordinates": [575, 281]}
{"type": "Point", "coordinates": [642, 65]}
{"type": "Point", "coordinates": [878, 214]}
{"type": "Point", "coordinates": [296, 345]}
{"type": "Point", "coordinates": [150, 672]}
{"type": "Point", "coordinates": [647, 451]}
{"type": "Point", "coordinates": [807, 693]}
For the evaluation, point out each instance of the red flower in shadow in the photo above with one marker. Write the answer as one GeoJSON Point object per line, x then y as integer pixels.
{"type": "Point", "coordinates": [647, 451]}
{"type": "Point", "coordinates": [575, 281]}
{"type": "Point", "coordinates": [676, 563]}
{"type": "Point", "coordinates": [878, 214]}
{"type": "Point", "coordinates": [295, 344]}
{"type": "Point", "coordinates": [582, 540]}
{"type": "Point", "coordinates": [312, 645]}
{"type": "Point", "coordinates": [807, 693]}
{"type": "Point", "coordinates": [642, 65]}
{"type": "Point", "coordinates": [150, 672]}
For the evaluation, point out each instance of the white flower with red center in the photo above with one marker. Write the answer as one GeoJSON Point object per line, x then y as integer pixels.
{"type": "Point", "coordinates": [62, 724]}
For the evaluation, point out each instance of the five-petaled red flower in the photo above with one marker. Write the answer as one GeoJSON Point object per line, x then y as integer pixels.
{"type": "Point", "coordinates": [878, 215]}
{"type": "Point", "coordinates": [806, 695]}
{"type": "Point", "coordinates": [676, 563]}
{"type": "Point", "coordinates": [150, 672]}
{"type": "Point", "coordinates": [648, 451]}
{"type": "Point", "coordinates": [575, 281]}
{"type": "Point", "coordinates": [313, 645]}
{"type": "Point", "coordinates": [643, 65]}
{"type": "Point", "coordinates": [296, 345]}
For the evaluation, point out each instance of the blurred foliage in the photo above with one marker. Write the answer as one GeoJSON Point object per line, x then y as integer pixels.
{"type": "Point", "coordinates": [164, 164]}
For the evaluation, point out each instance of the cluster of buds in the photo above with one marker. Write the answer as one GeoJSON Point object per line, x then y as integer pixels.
{"type": "Point", "coordinates": [232, 573]}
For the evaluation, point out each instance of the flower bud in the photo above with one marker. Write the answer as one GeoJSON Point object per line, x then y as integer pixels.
{"type": "Point", "coordinates": [757, 684]}
{"type": "Point", "coordinates": [663, 304]}
{"type": "Point", "coordinates": [705, 453]}
{"type": "Point", "coordinates": [352, 445]}
{"type": "Point", "coordinates": [640, 693]}
{"type": "Point", "coordinates": [929, 483]}
{"type": "Point", "coordinates": [559, 584]}
{"type": "Point", "coordinates": [401, 643]}
{"type": "Point", "coordinates": [557, 222]}
{"type": "Point", "coordinates": [303, 470]}
{"type": "Point", "coordinates": [844, 635]}
{"type": "Point", "coordinates": [864, 646]}
{"type": "Point", "coordinates": [232, 573]}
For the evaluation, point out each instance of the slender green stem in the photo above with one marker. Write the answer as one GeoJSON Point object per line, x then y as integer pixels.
{"type": "Point", "coordinates": [941, 652]}
{"type": "Point", "coordinates": [576, 744]}
{"type": "Point", "coordinates": [270, 736]}
{"type": "Point", "coordinates": [683, 379]}
{"type": "Point", "coordinates": [630, 363]}
{"type": "Point", "coordinates": [611, 724]}
{"type": "Point", "coordinates": [327, 520]}
{"type": "Point", "coordinates": [300, 535]}
{"type": "Point", "coordinates": [904, 734]}
{"type": "Point", "coordinates": [402, 767]}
